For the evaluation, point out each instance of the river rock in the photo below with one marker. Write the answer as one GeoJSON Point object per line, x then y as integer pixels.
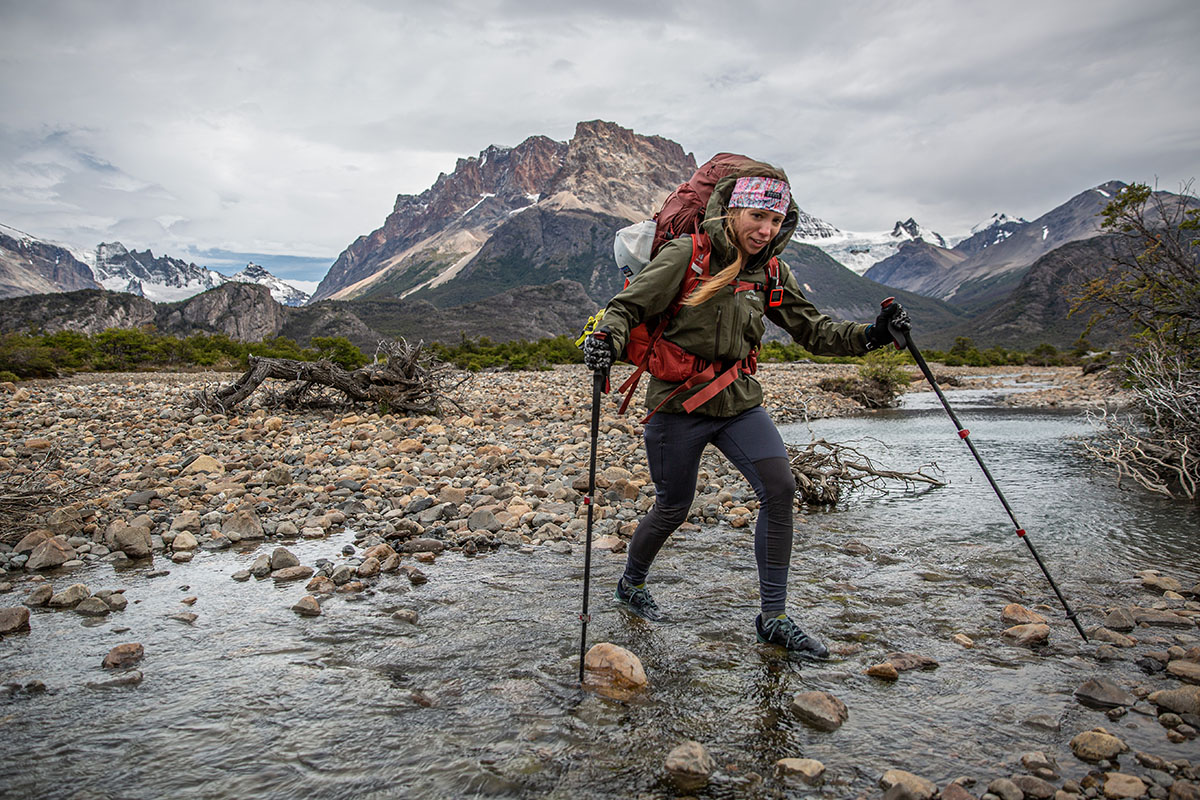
{"type": "Point", "coordinates": [1188, 671]}
{"type": "Point", "coordinates": [808, 770]}
{"type": "Point", "coordinates": [483, 520]}
{"type": "Point", "coordinates": [184, 542]}
{"type": "Point", "coordinates": [13, 619]}
{"type": "Point", "coordinates": [885, 671]}
{"type": "Point", "coordinates": [1005, 789]}
{"type": "Point", "coordinates": [307, 606]}
{"type": "Point", "coordinates": [1028, 635]}
{"type": "Point", "coordinates": [133, 541]}
{"type": "Point", "coordinates": [135, 500]}
{"type": "Point", "coordinates": [1185, 790]}
{"type": "Point", "coordinates": [381, 552]}
{"type": "Point", "coordinates": [205, 464]}
{"type": "Point", "coordinates": [261, 567]}
{"type": "Point", "coordinates": [131, 678]}
{"type": "Point", "coordinates": [320, 585]}
{"type": "Point", "coordinates": [1110, 637]}
{"type": "Point", "coordinates": [613, 666]}
{"type": "Point", "coordinates": [1184, 700]}
{"type": "Point", "coordinates": [955, 791]}
{"type": "Point", "coordinates": [369, 568]}
{"type": "Point", "coordinates": [406, 615]}
{"type": "Point", "coordinates": [31, 540]}
{"type": "Point", "coordinates": [1120, 619]}
{"type": "Point", "coordinates": [40, 595]}
{"type": "Point", "coordinates": [297, 573]}
{"type": "Point", "coordinates": [116, 601]}
{"type": "Point", "coordinates": [821, 710]}
{"type": "Point", "coordinates": [962, 640]}
{"type": "Point", "coordinates": [124, 655]}
{"type": "Point", "coordinates": [1097, 745]}
{"type": "Point", "coordinates": [1101, 693]}
{"type": "Point", "coordinates": [281, 558]}
{"type": "Point", "coordinates": [690, 766]}
{"type": "Point", "coordinates": [1033, 787]}
{"type": "Point", "coordinates": [915, 787]}
{"type": "Point", "coordinates": [1167, 619]}
{"type": "Point", "coordinates": [277, 476]}
{"type": "Point", "coordinates": [243, 523]}
{"type": "Point", "coordinates": [1017, 614]}
{"type": "Point", "coordinates": [52, 552]}
{"type": "Point", "coordinates": [424, 545]}
{"type": "Point", "coordinates": [905, 662]}
{"type": "Point", "coordinates": [92, 607]}
{"type": "Point", "coordinates": [1123, 785]}
{"type": "Point", "coordinates": [64, 520]}
{"type": "Point", "coordinates": [187, 521]}
{"type": "Point", "coordinates": [1156, 582]}
{"type": "Point", "coordinates": [69, 597]}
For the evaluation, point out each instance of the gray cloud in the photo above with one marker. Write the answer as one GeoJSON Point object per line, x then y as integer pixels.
{"type": "Point", "coordinates": [283, 128]}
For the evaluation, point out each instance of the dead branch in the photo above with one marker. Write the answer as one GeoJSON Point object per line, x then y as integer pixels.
{"type": "Point", "coordinates": [826, 471]}
{"type": "Point", "coordinates": [402, 378]}
{"type": "Point", "coordinates": [26, 496]}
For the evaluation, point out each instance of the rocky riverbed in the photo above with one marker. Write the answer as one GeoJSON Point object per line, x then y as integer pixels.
{"type": "Point", "coordinates": [148, 481]}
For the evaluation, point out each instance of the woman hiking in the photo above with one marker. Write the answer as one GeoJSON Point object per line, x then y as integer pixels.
{"type": "Point", "coordinates": [748, 221]}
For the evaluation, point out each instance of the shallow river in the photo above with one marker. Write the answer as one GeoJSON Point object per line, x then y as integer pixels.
{"type": "Point", "coordinates": [478, 699]}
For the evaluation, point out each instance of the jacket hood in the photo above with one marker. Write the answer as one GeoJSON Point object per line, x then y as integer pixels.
{"type": "Point", "coordinates": [714, 226]}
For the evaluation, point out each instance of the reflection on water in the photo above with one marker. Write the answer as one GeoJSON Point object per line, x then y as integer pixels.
{"type": "Point", "coordinates": [477, 699]}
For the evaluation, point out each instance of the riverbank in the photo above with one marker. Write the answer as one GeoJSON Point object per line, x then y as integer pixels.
{"type": "Point", "coordinates": [398, 521]}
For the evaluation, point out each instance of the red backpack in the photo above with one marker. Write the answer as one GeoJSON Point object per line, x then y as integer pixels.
{"type": "Point", "coordinates": [647, 350]}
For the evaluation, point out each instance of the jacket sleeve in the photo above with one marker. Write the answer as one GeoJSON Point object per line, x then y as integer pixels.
{"type": "Point", "coordinates": [650, 292]}
{"type": "Point", "coordinates": [812, 330]}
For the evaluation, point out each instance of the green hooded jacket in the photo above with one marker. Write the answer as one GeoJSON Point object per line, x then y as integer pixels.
{"type": "Point", "coordinates": [730, 324]}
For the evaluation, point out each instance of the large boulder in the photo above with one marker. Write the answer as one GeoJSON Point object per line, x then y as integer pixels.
{"type": "Point", "coordinates": [132, 540]}
{"type": "Point", "coordinates": [13, 619]}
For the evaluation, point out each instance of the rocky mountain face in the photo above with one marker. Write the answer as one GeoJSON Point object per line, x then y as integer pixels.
{"type": "Point", "coordinates": [990, 264]}
{"type": "Point", "coordinates": [29, 265]}
{"type": "Point", "coordinates": [162, 279]}
{"type": "Point", "coordinates": [604, 177]}
{"type": "Point", "coordinates": [284, 294]}
{"type": "Point", "coordinates": [242, 311]}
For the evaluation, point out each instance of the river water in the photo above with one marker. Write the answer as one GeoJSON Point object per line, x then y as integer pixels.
{"type": "Point", "coordinates": [478, 699]}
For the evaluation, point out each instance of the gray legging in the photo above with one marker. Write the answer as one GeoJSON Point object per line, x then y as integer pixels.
{"type": "Point", "coordinates": [674, 443]}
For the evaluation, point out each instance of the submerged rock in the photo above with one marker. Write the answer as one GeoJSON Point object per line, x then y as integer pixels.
{"type": "Point", "coordinates": [808, 770]}
{"type": "Point", "coordinates": [821, 710]}
{"type": "Point", "coordinates": [610, 666]}
{"type": "Point", "coordinates": [1102, 694]}
{"type": "Point", "coordinates": [914, 786]}
{"type": "Point", "coordinates": [690, 766]}
{"type": "Point", "coordinates": [123, 655]}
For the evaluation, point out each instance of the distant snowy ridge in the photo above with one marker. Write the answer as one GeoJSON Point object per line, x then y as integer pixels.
{"type": "Point", "coordinates": [860, 251]}
{"type": "Point", "coordinates": [284, 293]}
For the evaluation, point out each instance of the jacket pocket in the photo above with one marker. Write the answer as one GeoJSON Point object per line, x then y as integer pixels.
{"type": "Point", "coordinates": [670, 362]}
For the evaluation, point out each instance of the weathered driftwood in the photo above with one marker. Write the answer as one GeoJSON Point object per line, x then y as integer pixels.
{"type": "Point", "coordinates": [825, 471]}
{"type": "Point", "coordinates": [401, 379]}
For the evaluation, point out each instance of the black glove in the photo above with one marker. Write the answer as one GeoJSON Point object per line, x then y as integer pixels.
{"type": "Point", "coordinates": [598, 351]}
{"type": "Point", "coordinates": [893, 316]}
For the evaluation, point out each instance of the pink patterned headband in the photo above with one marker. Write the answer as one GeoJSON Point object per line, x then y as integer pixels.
{"type": "Point", "coordinates": [768, 193]}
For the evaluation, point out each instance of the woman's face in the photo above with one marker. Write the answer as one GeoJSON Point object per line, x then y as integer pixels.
{"type": "Point", "coordinates": [754, 228]}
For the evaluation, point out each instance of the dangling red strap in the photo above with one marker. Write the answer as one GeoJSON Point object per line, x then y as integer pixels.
{"type": "Point", "coordinates": [713, 389]}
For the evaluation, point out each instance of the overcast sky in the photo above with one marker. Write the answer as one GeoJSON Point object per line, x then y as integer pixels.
{"type": "Point", "coordinates": [215, 131]}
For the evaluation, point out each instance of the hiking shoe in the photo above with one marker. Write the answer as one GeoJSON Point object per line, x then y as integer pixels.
{"type": "Point", "coordinates": [637, 599]}
{"type": "Point", "coordinates": [785, 633]}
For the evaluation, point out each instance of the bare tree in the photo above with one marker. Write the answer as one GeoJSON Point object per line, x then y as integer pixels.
{"type": "Point", "coordinates": [402, 378]}
{"type": "Point", "coordinates": [1153, 284]}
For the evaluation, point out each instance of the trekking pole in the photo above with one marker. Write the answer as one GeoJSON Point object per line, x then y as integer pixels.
{"type": "Point", "coordinates": [599, 380]}
{"type": "Point", "coordinates": [904, 340]}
